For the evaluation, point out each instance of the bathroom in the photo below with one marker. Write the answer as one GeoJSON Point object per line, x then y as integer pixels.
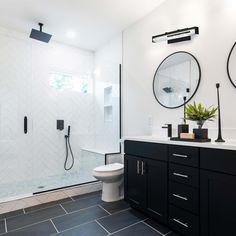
{"type": "Point", "coordinates": [88, 98]}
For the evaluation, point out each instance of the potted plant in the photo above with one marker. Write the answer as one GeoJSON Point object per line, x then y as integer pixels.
{"type": "Point", "coordinates": [200, 114]}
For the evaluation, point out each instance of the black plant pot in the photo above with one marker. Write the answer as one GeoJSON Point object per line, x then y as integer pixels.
{"type": "Point", "coordinates": [200, 133]}
{"type": "Point", "coordinates": [184, 128]}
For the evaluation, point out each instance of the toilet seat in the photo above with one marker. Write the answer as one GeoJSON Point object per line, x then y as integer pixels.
{"type": "Point", "coordinates": [110, 167]}
{"type": "Point", "coordinates": [109, 170]}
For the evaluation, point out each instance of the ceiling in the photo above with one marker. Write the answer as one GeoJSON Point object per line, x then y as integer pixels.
{"type": "Point", "coordinates": [89, 23]}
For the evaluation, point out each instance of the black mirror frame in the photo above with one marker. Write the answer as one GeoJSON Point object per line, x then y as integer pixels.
{"type": "Point", "coordinates": [200, 74]}
{"type": "Point", "coordinates": [231, 51]}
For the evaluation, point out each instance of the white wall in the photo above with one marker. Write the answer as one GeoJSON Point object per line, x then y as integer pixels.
{"type": "Point", "coordinates": [216, 21]}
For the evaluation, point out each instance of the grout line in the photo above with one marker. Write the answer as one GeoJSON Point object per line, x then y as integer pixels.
{"type": "Point", "coordinates": [117, 212]}
{"type": "Point", "coordinates": [63, 208]}
{"type": "Point", "coordinates": [54, 226]}
{"type": "Point", "coordinates": [5, 223]}
{"type": "Point", "coordinates": [103, 227]}
{"type": "Point", "coordinates": [154, 228]}
{"type": "Point", "coordinates": [129, 226]}
{"type": "Point", "coordinates": [104, 209]}
{"type": "Point", "coordinates": [72, 199]}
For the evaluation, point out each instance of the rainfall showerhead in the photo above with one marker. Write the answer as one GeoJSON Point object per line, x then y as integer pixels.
{"type": "Point", "coordinates": [40, 35]}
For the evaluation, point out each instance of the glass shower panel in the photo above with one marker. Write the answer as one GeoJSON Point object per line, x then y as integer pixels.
{"type": "Point", "coordinates": [62, 89]}
{"type": "Point", "coordinates": [15, 145]}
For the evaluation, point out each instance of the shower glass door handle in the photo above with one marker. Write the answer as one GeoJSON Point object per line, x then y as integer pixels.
{"type": "Point", "coordinates": [25, 125]}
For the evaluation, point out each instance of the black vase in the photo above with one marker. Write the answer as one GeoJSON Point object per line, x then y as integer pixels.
{"type": "Point", "coordinates": [200, 133]}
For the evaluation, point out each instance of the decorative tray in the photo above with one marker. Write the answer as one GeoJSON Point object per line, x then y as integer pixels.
{"type": "Point", "coordinates": [190, 140]}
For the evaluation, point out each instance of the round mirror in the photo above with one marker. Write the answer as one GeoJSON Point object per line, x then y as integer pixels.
{"type": "Point", "coordinates": [176, 79]}
{"type": "Point", "coordinates": [231, 65]}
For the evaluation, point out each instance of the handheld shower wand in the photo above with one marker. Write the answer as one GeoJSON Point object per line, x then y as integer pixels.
{"type": "Point", "coordinates": [68, 148]}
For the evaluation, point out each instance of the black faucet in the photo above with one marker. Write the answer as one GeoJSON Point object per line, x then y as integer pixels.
{"type": "Point", "coordinates": [169, 128]}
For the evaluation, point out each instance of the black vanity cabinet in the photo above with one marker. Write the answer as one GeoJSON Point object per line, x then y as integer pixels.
{"type": "Point", "coordinates": [190, 189]}
{"type": "Point", "coordinates": [146, 178]}
{"type": "Point", "coordinates": [218, 192]}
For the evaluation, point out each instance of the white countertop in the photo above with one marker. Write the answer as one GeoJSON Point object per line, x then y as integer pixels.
{"type": "Point", "coordinates": [228, 145]}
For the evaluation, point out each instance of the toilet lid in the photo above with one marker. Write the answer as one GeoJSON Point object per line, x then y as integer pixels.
{"type": "Point", "coordinates": [110, 167]}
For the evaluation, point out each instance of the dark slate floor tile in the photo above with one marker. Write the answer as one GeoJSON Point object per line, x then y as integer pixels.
{"type": "Point", "coordinates": [139, 229]}
{"type": "Point", "coordinates": [113, 207]}
{"type": "Point", "coordinates": [41, 229]}
{"type": "Point", "coordinates": [11, 213]}
{"type": "Point", "coordinates": [2, 227]}
{"type": "Point", "coordinates": [87, 195]}
{"type": "Point", "coordinates": [161, 228]}
{"type": "Point", "coordinates": [48, 204]}
{"type": "Point", "coordinates": [90, 229]}
{"type": "Point", "coordinates": [82, 203]}
{"type": "Point", "coordinates": [120, 220]}
{"type": "Point", "coordinates": [34, 217]}
{"type": "Point", "coordinates": [79, 217]}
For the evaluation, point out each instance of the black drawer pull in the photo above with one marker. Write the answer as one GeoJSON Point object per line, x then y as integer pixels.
{"type": "Point", "coordinates": [180, 197]}
{"type": "Point", "coordinates": [181, 223]}
{"type": "Point", "coordinates": [180, 155]}
{"type": "Point", "coordinates": [180, 175]}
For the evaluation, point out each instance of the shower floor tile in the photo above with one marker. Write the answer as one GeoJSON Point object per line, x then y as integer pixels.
{"type": "Point", "coordinates": [84, 215]}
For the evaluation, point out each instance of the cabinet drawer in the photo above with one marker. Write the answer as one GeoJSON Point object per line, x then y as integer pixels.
{"type": "Point", "coordinates": [184, 196]}
{"type": "Point", "coordinates": [184, 155]}
{"type": "Point", "coordinates": [184, 175]}
{"type": "Point", "coordinates": [183, 222]}
{"type": "Point", "coordinates": [218, 160]}
{"type": "Point", "coordinates": [145, 149]}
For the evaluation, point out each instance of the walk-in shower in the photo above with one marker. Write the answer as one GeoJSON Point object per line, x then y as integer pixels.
{"type": "Point", "coordinates": [41, 84]}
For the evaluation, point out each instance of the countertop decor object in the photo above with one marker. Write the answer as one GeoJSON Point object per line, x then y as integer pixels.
{"type": "Point", "coordinates": [183, 128]}
{"type": "Point", "coordinates": [200, 114]}
{"type": "Point", "coordinates": [219, 139]}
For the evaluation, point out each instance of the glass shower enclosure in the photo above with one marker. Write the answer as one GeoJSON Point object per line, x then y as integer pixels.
{"type": "Point", "coordinates": [40, 84]}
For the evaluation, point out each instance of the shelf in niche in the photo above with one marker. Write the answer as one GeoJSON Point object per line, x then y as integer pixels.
{"type": "Point", "coordinates": [108, 95]}
{"type": "Point", "coordinates": [108, 114]}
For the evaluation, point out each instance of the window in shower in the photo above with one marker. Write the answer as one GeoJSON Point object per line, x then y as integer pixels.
{"type": "Point", "coordinates": [62, 81]}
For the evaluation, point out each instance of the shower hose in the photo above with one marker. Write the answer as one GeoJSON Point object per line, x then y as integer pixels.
{"type": "Point", "coordinates": [68, 149]}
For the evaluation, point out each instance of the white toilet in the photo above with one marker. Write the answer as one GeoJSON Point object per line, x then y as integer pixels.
{"type": "Point", "coordinates": [112, 176]}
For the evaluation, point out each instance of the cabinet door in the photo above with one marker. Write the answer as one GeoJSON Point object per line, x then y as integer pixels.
{"type": "Point", "coordinates": [217, 204]}
{"type": "Point", "coordinates": [157, 189]}
{"type": "Point", "coordinates": [135, 181]}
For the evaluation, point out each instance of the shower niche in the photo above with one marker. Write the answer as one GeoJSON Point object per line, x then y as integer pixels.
{"type": "Point", "coordinates": [108, 104]}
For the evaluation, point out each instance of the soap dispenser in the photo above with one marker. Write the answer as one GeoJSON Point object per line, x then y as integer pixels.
{"type": "Point", "coordinates": [183, 128]}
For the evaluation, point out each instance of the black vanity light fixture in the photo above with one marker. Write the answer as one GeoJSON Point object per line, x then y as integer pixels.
{"type": "Point", "coordinates": [177, 35]}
